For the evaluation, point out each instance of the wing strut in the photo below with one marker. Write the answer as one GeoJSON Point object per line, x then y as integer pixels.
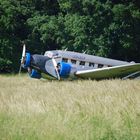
{"type": "Point", "coordinates": [132, 75]}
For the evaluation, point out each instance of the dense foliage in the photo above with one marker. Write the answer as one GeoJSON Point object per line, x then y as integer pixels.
{"type": "Point", "coordinates": [108, 28]}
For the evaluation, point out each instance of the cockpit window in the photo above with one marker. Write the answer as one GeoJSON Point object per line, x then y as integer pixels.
{"type": "Point", "coordinates": [49, 54]}
{"type": "Point", "coordinates": [64, 60]}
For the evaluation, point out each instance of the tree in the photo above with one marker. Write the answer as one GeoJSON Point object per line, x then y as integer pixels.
{"type": "Point", "coordinates": [13, 29]}
{"type": "Point", "coordinates": [109, 28]}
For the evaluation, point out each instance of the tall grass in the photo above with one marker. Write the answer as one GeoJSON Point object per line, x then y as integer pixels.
{"type": "Point", "coordinates": [69, 110]}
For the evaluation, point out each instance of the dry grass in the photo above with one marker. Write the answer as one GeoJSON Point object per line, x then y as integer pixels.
{"type": "Point", "coordinates": [76, 110]}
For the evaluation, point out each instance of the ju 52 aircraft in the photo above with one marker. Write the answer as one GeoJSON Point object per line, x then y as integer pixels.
{"type": "Point", "coordinates": [60, 64]}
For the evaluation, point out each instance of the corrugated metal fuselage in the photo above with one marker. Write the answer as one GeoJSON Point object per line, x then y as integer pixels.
{"type": "Point", "coordinates": [83, 61]}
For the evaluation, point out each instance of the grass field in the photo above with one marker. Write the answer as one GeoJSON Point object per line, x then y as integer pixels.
{"type": "Point", "coordinates": [69, 110]}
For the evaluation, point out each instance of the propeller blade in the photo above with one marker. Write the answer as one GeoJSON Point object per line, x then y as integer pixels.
{"type": "Point", "coordinates": [22, 58]}
{"type": "Point", "coordinates": [24, 51]}
{"type": "Point", "coordinates": [23, 54]}
{"type": "Point", "coordinates": [56, 69]}
{"type": "Point", "coordinates": [20, 69]}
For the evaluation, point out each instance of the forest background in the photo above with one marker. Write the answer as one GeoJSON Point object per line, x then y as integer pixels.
{"type": "Point", "coordinates": [109, 28]}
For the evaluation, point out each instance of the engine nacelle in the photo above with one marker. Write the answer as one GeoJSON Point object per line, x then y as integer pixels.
{"type": "Point", "coordinates": [35, 74]}
{"type": "Point", "coordinates": [64, 69]}
{"type": "Point", "coordinates": [27, 60]}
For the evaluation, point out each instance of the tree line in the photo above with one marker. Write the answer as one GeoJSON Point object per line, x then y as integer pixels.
{"type": "Point", "coordinates": [109, 28]}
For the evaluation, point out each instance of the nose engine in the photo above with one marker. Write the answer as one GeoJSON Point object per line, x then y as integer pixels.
{"type": "Point", "coordinates": [27, 65]}
{"type": "Point", "coordinates": [27, 60]}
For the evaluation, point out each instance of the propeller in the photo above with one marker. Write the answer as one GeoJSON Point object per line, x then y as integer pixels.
{"type": "Point", "coordinates": [22, 58]}
{"type": "Point", "coordinates": [51, 65]}
{"type": "Point", "coordinates": [51, 68]}
{"type": "Point", "coordinates": [56, 69]}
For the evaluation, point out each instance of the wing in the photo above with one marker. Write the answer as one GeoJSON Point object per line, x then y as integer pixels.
{"type": "Point", "coordinates": [109, 72]}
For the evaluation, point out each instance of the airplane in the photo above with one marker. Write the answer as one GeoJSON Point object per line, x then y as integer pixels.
{"type": "Point", "coordinates": [62, 64]}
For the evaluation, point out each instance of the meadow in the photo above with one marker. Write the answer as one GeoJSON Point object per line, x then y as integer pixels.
{"type": "Point", "coordinates": [33, 109]}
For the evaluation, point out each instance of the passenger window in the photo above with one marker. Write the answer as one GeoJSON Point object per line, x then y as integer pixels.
{"type": "Point", "coordinates": [109, 66]}
{"type": "Point", "coordinates": [82, 63]}
{"type": "Point", "coordinates": [73, 61]}
{"type": "Point", "coordinates": [64, 60]}
{"type": "Point", "coordinates": [100, 65]}
{"type": "Point", "coordinates": [91, 64]}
